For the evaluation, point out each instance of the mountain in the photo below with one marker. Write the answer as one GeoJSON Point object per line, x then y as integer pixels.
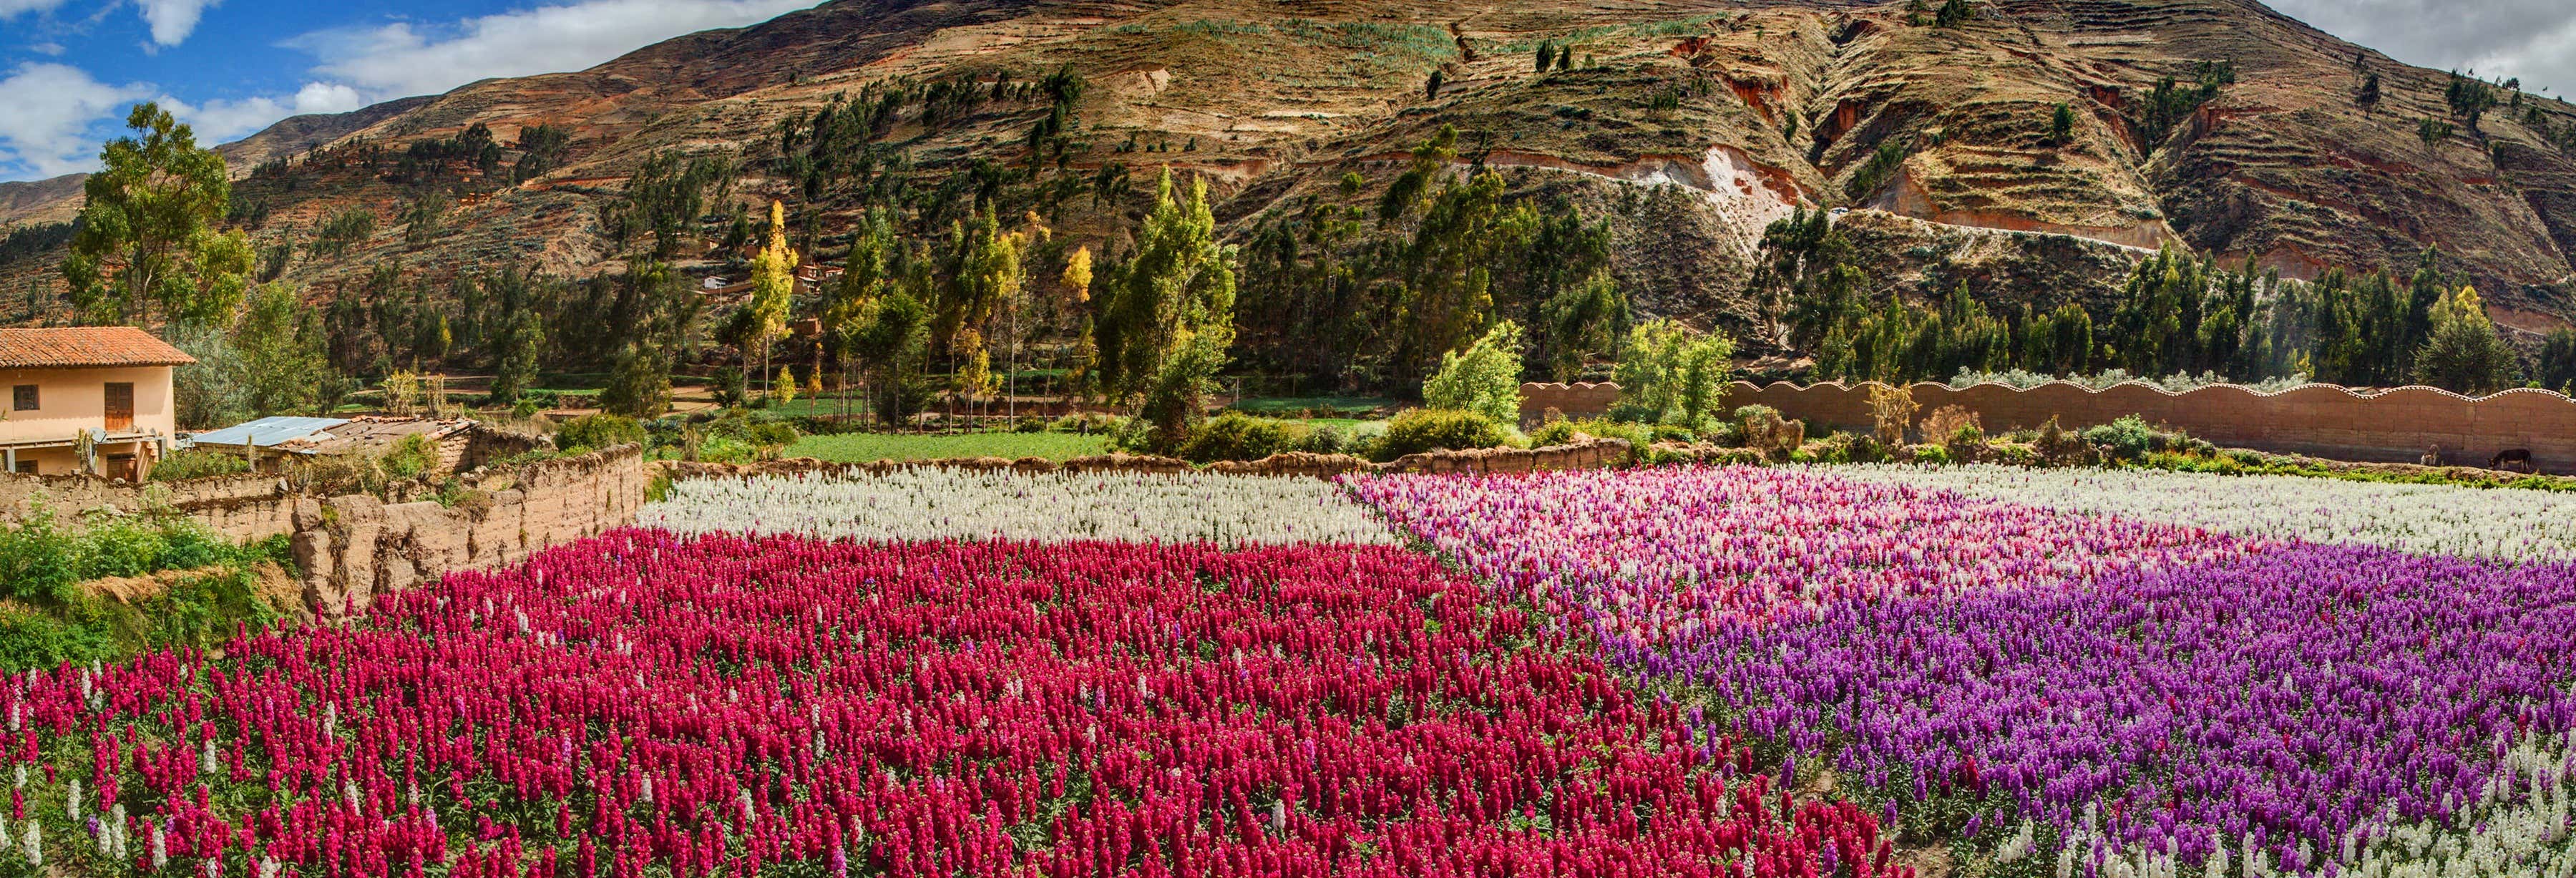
{"type": "Point", "coordinates": [58, 199]}
{"type": "Point", "coordinates": [1686, 125]}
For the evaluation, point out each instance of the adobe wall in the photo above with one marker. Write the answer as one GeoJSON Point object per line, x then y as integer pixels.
{"type": "Point", "coordinates": [240, 508]}
{"type": "Point", "coordinates": [1573, 400]}
{"type": "Point", "coordinates": [2318, 419]}
{"type": "Point", "coordinates": [355, 547]}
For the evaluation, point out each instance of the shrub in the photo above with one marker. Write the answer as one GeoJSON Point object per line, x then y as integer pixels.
{"type": "Point", "coordinates": [1485, 378]}
{"type": "Point", "coordinates": [198, 463]}
{"type": "Point", "coordinates": [1418, 430]}
{"type": "Point", "coordinates": [1238, 436]}
{"type": "Point", "coordinates": [2128, 439]}
{"type": "Point", "coordinates": [1672, 374]}
{"type": "Point", "coordinates": [599, 431]}
{"type": "Point", "coordinates": [36, 560]}
{"type": "Point", "coordinates": [1323, 440]}
{"type": "Point", "coordinates": [410, 456]}
{"type": "Point", "coordinates": [1950, 421]}
{"type": "Point", "coordinates": [1930, 454]}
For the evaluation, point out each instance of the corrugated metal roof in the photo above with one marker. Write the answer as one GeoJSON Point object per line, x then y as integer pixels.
{"type": "Point", "coordinates": [266, 432]}
{"type": "Point", "coordinates": [86, 347]}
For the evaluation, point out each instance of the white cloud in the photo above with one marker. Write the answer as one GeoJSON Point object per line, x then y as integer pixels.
{"type": "Point", "coordinates": [13, 8]}
{"type": "Point", "coordinates": [220, 121]}
{"type": "Point", "coordinates": [171, 20]}
{"type": "Point", "coordinates": [52, 49]}
{"type": "Point", "coordinates": [2533, 40]}
{"type": "Point", "coordinates": [45, 114]}
{"type": "Point", "coordinates": [400, 59]}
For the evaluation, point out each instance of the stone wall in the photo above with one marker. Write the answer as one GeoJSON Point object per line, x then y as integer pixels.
{"type": "Point", "coordinates": [356, 547]}
{"type": "Point", "coordinates": [241, 508]}
{"type": "Point", "coordinates": [1589, 454]}
{"type": "Point", "coordinates": [2324, 420]}
{"type": "Point", "coordinates": [1572, 400]}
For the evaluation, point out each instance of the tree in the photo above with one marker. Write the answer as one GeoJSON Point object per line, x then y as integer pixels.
{"type": "Point", "coordinates": [519, 337]}
{"type": "Point", "coordinates": [207, 394]}
{"type": "Point", "coordinates": [1672, 374]}
{"type": "Point", "coordinates": [773, 288]}
{"type": "Point", "coordinates": [1175, 290]}
{"type": "Point", "coordinates": [639, 382]}
{"type": "Point", "coordinates": [283, 370]}
{"type": "Point", "coordinates": [1546, 55]}
{"type": "Point", "coordinates": [1485, 378]}
{"type": "Point", "coordinates": [146, 235]}
{"type": "Point", "coordinates": [1431, 88]}
{"type": "Point", "coordinates": [2061, 125]}
{"type": "Point", "coordinates": [889, 337]}
{"type": "Point", "coordinates": [2558, 360]}
{"type": "Point", "coordinates": [1954, 13]}
{"type": "Point", "coordinates": [2464, 353]}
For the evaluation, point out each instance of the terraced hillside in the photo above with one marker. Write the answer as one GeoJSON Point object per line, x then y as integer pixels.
{"type": "Point", "coordinates": [1689, 126]}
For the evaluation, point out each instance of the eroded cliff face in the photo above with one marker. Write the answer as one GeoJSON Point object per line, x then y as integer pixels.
{"type": "Point", "coordinates": [1746, 112]}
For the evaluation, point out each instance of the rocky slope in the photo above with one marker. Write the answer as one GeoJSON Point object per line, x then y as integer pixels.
{"type": "Point", "coordinates": [1688, 124]}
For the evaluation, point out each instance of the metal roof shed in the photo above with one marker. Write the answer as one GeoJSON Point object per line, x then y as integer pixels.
{"type": "Point", "coordinates": [265, 432]}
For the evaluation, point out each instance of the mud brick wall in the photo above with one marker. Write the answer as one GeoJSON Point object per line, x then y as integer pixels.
{"type": "Point", "coordinates": [354, 548]}
{"type": "Point", "coordinates": [240, 508]}
{"type": "Point", "coordinates": [1573, 400]}
{"type": "Point", "coordinates": [2391, 426]}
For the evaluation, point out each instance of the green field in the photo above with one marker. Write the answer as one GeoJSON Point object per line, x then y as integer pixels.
{"type": "Point", "coordinates": [865, 447]}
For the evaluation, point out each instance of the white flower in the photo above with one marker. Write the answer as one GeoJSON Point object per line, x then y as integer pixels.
{"type": "Point", "coordinates": [934, 504]}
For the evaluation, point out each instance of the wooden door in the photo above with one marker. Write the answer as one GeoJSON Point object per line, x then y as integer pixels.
{"type": "Point", "coordinates": [120, 407]}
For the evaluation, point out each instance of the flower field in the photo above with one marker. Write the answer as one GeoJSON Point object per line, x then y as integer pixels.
{"type": "Point", "coordinates": [939, 504]}
{"type": "Point", "coordinates": [2436, 519]}
{"type": "Point", "coordinates": [1747, 673]}
{"type": "Point", "coordinates": [2072, 693]}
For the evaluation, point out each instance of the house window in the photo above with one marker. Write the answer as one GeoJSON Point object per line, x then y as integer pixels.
{"type": "Point", "coordinates": [26, 467]}
{"type": "Point", "coordinates": [23, 397]}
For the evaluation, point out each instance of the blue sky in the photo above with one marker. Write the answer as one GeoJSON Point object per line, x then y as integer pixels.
{"type": "Point", "coordinates": [69, 69]}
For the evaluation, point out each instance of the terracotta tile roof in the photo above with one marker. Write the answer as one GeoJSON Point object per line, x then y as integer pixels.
{"type": "Point", "coordinates": [86, 347]}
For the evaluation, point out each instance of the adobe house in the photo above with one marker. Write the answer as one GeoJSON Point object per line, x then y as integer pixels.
{"type": "Point", "coordinates": [92, 399]}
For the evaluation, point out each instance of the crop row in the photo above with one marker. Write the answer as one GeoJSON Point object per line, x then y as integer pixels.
{"type": "Point", "coordinates": [936, 504]}
{"type": "Point", "coordinates": [2123, 697]}
{"type": "Point", "coordinates": [723, 704]}
{"type": "Point", "coordinates": [2502, 524]}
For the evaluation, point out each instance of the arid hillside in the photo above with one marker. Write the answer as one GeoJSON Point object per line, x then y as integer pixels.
{"type": "Point", "coordinates": [1688, 126]}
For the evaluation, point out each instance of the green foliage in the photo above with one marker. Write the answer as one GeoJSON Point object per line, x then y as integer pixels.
{"type": "Point", "coordinates": [198, 463]}
{"type": "Point", "coordinates": [1672, 374]}
{"type": "Point", "coordinates": [2557, 363]}
{"type": "Point", "coordinates": [1954, 13]}
{"type": "Point", "coordinates": [2130, 439]}
{"type": "Point", "coordinates": [1485, 378]}
{"type": "Point", "coordinates": [1174, 295]}
{"type": "Point", "coordinates": [869, 447]}
{"type": "Point", "coordinates": [1883, 164]}
{"type": "Point", "coordinates": [342, 230]}
{"type": "Point", "coordinates": [409, 457]}
{"type": "Point", "coordinates": [1415, 431]}
{"type": "Point", "coordinates": [2464, 353]}
{"type": "Point", "coordinates": [146, 237]}
{"type": "Point", "coordinates": [1238, 436]}
{"type": "Point", "coordinates": [2171, 102]}
{"type": "Point", "coordinates": [2061, 125]}
{"type": "Point", "coordinates": [599, 431]}
{"type": "Point", "coordinates": [281, 367]}
{"type": "Point", "coordinates": [656, 323]}
{"type": "Point", "coordinates": [2469, 98]}
{"type": "Point", "coordinates": [2432, 131]}
{"type": "Point", "coordinates": [544, 147]}
{"type": "Point", "coordinates": [666, 197]}
{"type": "Point", "coordinates": [1343, 301]}
{"type": "Point", "coordinates": [207, 394]}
